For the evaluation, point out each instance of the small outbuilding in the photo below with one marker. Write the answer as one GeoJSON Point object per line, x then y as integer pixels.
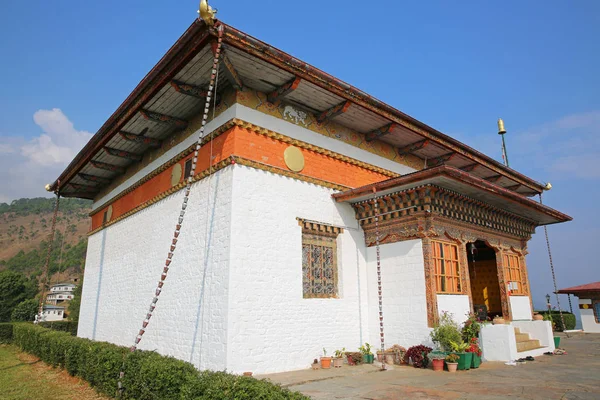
{"type": "Point", "coordinates": [589, 304]}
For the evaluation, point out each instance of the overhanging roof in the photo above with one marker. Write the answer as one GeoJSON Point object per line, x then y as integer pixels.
{"type": "Point", "coordinates": [464, 183]}
{"type": "Point", "coordinates": [264, 68]}
{"type": "Point", "coordinates": [589, 287]}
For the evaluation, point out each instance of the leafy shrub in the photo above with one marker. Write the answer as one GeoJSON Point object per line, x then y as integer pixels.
{"type": "Point", "coordinates": [6, 333]}
{"type": "Point", "coordinates": [63, 326]}
{"type": "Point", "coordinates": [554, 316]}
{"type": "Point", "coordinates": [446, 331]}
{"type": "Point", "coordinates": [355, 356]}
{"type": "Point", "coordinates": [418, 355]}
{"type": "Point", "coordinates": [148, 375]}
{"type": "Point", "coordinates": [25, 311]}
{"type": "Point", "coordinates": [471, 328]}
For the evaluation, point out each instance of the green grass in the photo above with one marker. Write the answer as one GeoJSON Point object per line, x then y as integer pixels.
{"type": "Point", "coordinates": [23, 377]}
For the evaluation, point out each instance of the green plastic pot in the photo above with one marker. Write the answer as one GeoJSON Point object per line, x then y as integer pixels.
{"type": "Point", "coordinates": [476, 361]}
{"type": "Point", "coordinates": [556, 341]}
{"type": "Point", "coordinates": [368, 358]}
{"type": "Point", "coordinates": [464, 361]}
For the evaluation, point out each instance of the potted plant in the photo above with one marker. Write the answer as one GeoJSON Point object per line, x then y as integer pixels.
{"type": "Point", "coordinates": [315, 364]}
{"type": "Point", "coordinates": [354, 357]}
{"type": "Point", "coordinates": [365, 350]}
{"type": "Point", "coordinates": [498, 320]}
{"type": "Point", "coordinates": [338, 361]}
{"type": "Point", "coordinates": [464, 359]}
{"type": "Point", "coordinates": [452, 362]}
{"type": "Point", "coordinates": [417, 355]}
{"type": "Point", "coordinates": [445, 332]}
{"type": "Point", "coordinates": [325, 361]}
{"type": "Point", "coordinates": [471, 328]}
{"type": "Point", "coordinates": [437, 360]}
{"type": "Point", "coordinates": [538, 317]}
{"type": "Point", "coordinates": [475, 350]}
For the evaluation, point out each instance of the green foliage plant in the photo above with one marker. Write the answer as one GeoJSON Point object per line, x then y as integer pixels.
{"type": "Point", "coordinates": [459, 347]}
{"type": "Point", "coordinates": [25, 311]}
{"type": "Point", "coordinates": [340, 353]}
{"type": "Point", "coordinates": [452, 358]}
{"type": "Point", "coordinates": [365, 349]}
{"type": "Point", "coordinates": [6, 333]}
{"type": "Point", "coordinates": [445, 332]}
{"type": "Point", "coordinates": [148, 375]}
{"type": "Point", "coordinates": [14, 288]}
{"type": "Point", "coordinates": [471, 328]}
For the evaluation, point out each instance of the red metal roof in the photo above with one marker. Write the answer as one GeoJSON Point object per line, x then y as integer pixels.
{"type": "Point", "coordinates": [588, 287]}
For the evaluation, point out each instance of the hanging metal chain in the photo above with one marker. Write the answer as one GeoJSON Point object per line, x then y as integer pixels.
{"type": "Point", "coordinates": [562, 318]}
{"type": "Point", "coordinates": [48, 254]}
{"type": "Point", "coordinates": [376, 207]}
{"type": "Point", "coordinates": [184, 204]}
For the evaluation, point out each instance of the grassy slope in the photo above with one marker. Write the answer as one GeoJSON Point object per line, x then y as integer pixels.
{"type": "Point", "coordinates": [24, 377]}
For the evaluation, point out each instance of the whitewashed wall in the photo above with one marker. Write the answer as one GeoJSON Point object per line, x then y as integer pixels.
{"type": "Point", "coordinates": [272, 327]}
{"type": "Point", "coordinates": [588, 320]}
{"type": "Point", "coordinates": [403, 290]}
{"type": "Point", "coordinates": [456, 304]}
{"type": "Point", "coordinates": [124, 263]}
{"type": "Point", "coordinates": [520, 307]}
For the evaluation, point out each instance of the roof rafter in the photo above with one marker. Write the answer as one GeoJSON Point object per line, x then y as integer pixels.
{"type": "Point", "coordinates": [493, 178]}
{"type": "Point", "coordinates": [470, 167]}
{"type": "Point", "coordinates": [334, 111]}
{"type": "Point", "coordinates": [107, 166]}
{"type": "Point", "coordinates": [284, 90]}
{"type": "Point", "coordinates": [379, 132]}
{"type": "Point", "coordinates": [411, 148]}
{"type": "Point", "coordinates": [83, 188]}
{"type": "Point", "coordinates": [192, 90]}
{"type": "Point", "coordinates": [94, 178]}
{"type": "Point", "coordinates": [230, 72]}
{"type": "Point", "coordinates": [141, 138]}
{"type": "Point", "coordinates": [439, 160]}
{"type": "Point", "coordinates": [514, 187]}
{"type": "Point", "coordinates": [122, 154]}
{"type": "Point", "coordinates": [163, 119]}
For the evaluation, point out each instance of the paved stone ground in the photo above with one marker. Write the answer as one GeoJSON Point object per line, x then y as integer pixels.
{"type": "Point", "coordinates": [572, 376]}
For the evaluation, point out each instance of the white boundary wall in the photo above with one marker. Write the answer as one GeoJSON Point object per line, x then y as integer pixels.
{"type": "Point", "coordinates": [124, 263]}
{"type": "Point", "coordinates": [588, 320]}
{"type": "Point", "coordinates": [456, 304]}
{"type": "Point", "coordinates": [520, 307]}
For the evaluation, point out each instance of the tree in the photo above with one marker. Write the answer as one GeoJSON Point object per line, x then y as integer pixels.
{"type": "Point", "coordinates": [75, 304]}
{"type": "Point", "coordinates": [14, 288]}
{"type": "Point", "coordinates": [25, 311]}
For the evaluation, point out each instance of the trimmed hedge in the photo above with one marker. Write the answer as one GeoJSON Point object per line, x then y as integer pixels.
{"type": "Point", "coordinates": [6, 333]}
{"type": "Point", "coordinates": [64, 326]}
{"type": "Point", "coordinates": [570, 320]}
{"type": "Point", "coordinates": [148, 375]}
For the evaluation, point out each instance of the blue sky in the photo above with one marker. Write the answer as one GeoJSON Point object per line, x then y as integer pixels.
{"type": "Point", "coordinates": [457, 66]}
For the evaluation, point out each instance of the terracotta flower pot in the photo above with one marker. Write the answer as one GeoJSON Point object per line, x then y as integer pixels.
{"type": "Point", "coordinates": [389, 358]}
{"type": "Point", "coordinates": [315, 365]}
{"type": "Point", "coordinates": [538, 317]}
{"type": "Point", "coordinates": [452, 367]}
{"type": "Point", "coordinates": [498, 321]}
{"type": "Point", "coordinates": [325, 362]}
{"type": "Point", "coordinates": [338, 362]}
{"type": "Point", "coordinates": [438, 364]}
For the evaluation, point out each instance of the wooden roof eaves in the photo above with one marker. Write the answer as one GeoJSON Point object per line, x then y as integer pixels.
{"type": "Point", "coordinates": [299, 68]}
{"type": "Point", "coordinates": [186, 47]}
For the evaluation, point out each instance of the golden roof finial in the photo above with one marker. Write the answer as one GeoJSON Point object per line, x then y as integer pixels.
{"type": "Point", "coordinates": [501, 130]}
{"type": "Point", "coordinates": [207, 13]}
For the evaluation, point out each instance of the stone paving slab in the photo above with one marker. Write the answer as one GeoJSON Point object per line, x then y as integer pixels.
{"type": "Point", "coordinates": [575, 376]}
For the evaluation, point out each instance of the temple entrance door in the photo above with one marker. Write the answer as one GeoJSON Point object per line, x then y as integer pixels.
{"type": "Point", "coordinates": [483, 273]}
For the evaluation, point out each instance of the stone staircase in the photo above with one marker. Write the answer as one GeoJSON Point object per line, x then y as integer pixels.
{"type": "Point", "coordinates": [524, 342]}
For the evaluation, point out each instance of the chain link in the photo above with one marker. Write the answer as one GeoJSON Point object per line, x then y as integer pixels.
{"type": "Point", "coordinates": [376, 207]}
{"type": "Point", "coordinates": [48, 254]}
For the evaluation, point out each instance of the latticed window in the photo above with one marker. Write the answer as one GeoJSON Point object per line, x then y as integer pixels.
{"type": "Point", "coordinates": [319, 260]}
{"type": "Point", "coordinates": [447, 268]}
{"type": "Point", "coordinates": [512, 266]}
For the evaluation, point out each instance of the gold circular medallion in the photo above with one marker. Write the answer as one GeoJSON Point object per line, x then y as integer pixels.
{"type": "Point", "coordinates": [294, 159]}
{"type": "Point", "coordinates": [586, 306]}
{"type": "Point", "coordinates": [175, 174]}
{"type": "Point", "coordinates": [109, 213]}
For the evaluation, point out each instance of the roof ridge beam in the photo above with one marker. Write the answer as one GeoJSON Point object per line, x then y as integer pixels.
{"type": "Point", "coordinates": [94, 178]}
{"type": "Point", "coordinates": [122, 154]}
{"type": "Point", "coordinates": [107, 167]}
{"type": "Point", "coordinates": [284, 90]}
{"type": "Point", "coordinates": [411, 148]}
{"type": "Point", "coordinates": [230, 72]}
{"type": "Point", "coordinates": [164, 119]}
{"type": "Point", "coordinates": [334, 111]}
{"type": "Point", "coordinates": [380, 132]}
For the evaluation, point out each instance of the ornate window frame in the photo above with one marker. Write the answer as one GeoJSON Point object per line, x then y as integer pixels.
{"type": "Point", "coordinates": [322, 238]}
{"type": "Point", "coordinates": [447, 267]}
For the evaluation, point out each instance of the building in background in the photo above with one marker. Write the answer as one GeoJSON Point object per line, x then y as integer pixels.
{"type": "Point", "coordinates": [300, 176]}
{"type": "Point", "coordinates": [589, 305]}
{"type": "Point", "coordinates": [60, 293]}
{"type": "Point", "coordinates": [53, 313]}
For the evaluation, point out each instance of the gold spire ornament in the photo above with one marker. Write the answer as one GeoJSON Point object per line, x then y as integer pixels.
{"type": "Point", "coordinates": [207, 13]}
{"type": "Point", "coordinates": [501, 130]}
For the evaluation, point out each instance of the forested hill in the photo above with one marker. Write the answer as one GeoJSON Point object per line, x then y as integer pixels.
{"type": "Point", "coordinates": [24, 228]}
